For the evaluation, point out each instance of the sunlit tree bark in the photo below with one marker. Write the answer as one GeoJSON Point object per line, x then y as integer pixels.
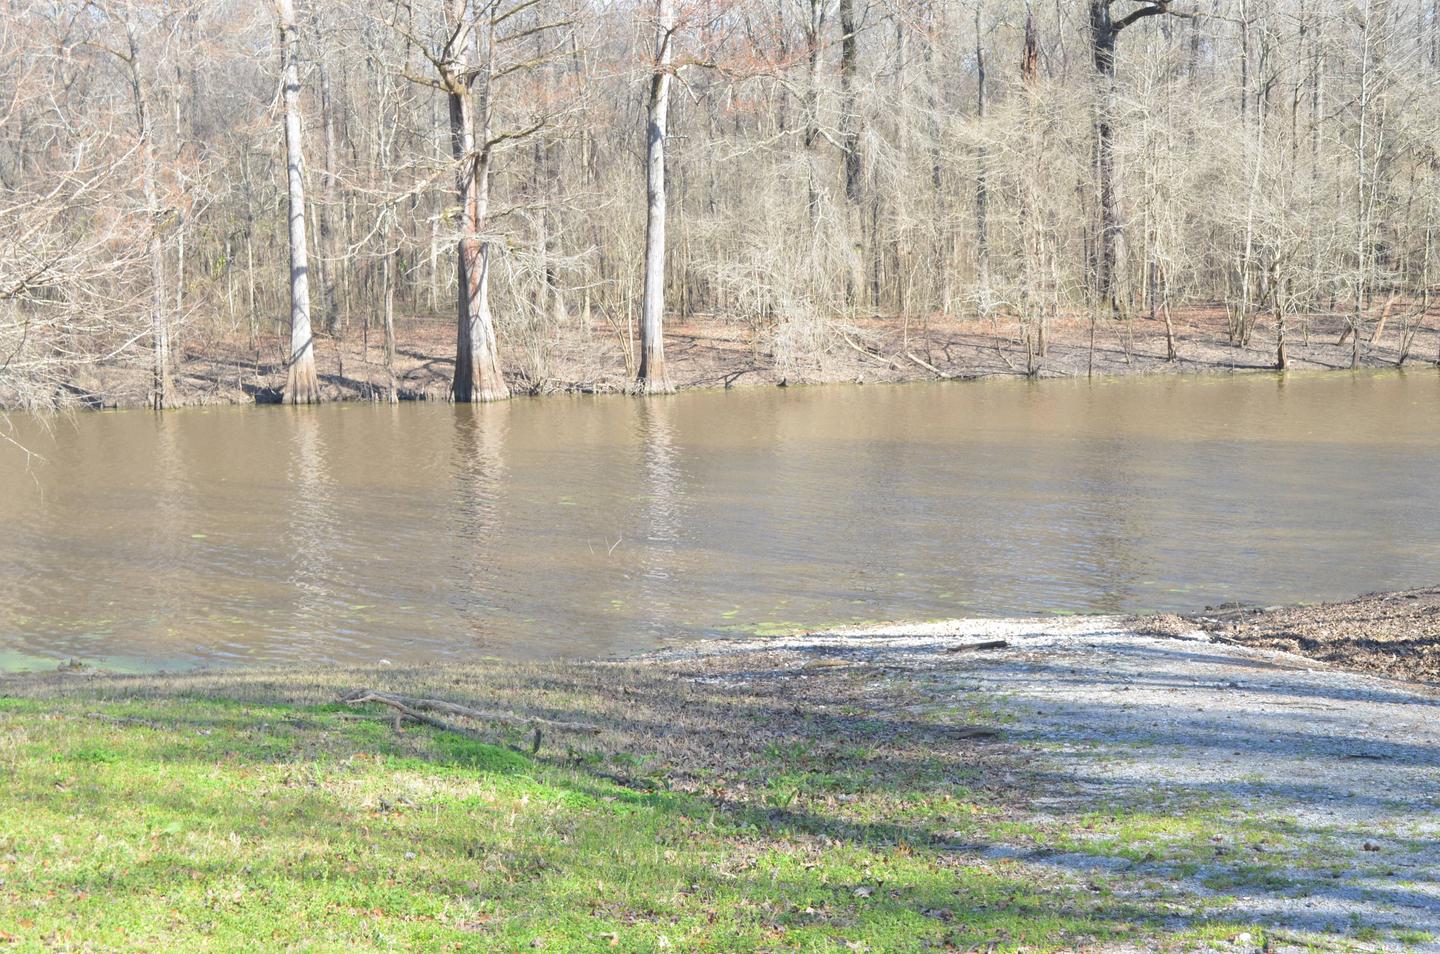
{"type": "Point", "coordinates": [161, 388]}
{"type": "Point", "coordinates": [653, 378]}
{"type": "Point", "coordinates": [465, 65]}
{"type": "Point", "coordinates": [302, 386]}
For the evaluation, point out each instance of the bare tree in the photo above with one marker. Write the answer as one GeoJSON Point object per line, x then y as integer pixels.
{"type": "Point", "coordinates": [464, 65]}
{"type": "Point", "coordinates": [837, 166]}
{"type": "Point", "coordinates": [301, 384]}
{"type": "Point", "coordinates": [982, 179]}
{"type": "Point", "coordinates": [161, 390]}
{"type": "Point", "coordinates": [850, 141]}
{"type": "Point", "coordinates": [327, 243]}
{"type": "Point", "coordinates": [652, 378]}
{"type": "Point", "coordinates": [1104, 31]}
{"type": "Point", "coordinates": [849, 82]}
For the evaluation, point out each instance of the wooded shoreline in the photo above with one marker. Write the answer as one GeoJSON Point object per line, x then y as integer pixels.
{"type": "Point", "coordinates": [524, 170]}
{"type": "Point", "coordinates": [714, 354]}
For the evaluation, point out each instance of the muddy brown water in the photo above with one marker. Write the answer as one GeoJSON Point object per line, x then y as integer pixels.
{"type": "Point", "coordinates": [591, 526]}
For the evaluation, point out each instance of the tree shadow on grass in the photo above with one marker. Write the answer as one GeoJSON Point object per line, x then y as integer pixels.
{"type": "Point", "coordinates": [815, 764]}
{"type": "Point", "coordinates": [344, 816]}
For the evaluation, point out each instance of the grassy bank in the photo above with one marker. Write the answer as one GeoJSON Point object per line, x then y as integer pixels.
{"type": "Point", "coordinates": [727, 804]}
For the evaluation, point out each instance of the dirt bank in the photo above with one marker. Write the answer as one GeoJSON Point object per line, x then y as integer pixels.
{"type": "Point", "coordinates": [1393, 634]}
{"type": "Point", "coordinates": [708, 353]}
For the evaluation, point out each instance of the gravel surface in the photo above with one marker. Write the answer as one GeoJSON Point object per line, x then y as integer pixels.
{"type": "Point", "coordinates": [1208, 778]}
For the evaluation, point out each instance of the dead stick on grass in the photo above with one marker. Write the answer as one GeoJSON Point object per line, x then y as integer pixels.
{"type": "Point", "coordinates": [405, 711]}
{"type": "Point", "coordinates": [414, 707]}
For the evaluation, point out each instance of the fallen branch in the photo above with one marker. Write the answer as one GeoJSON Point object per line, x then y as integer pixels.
{"type": "Point", "coordinates": [999, 351]}
{"type": "Point", "coordinates": [987, 644]}
{"type": "Point", "coordinates": [417, 706]}
{"type": "Point", "coordinates": [926, 365]}
{"type": "Point", "coordinates": [405, 711]}
{"type": "Point", "coordinates": [887, 362]}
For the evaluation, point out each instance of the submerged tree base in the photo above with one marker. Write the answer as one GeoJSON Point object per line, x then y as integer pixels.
{"type": "Point", "coordinates": [302, 385]}
{"type": "Point", "coordinates": [162, 386]}
{"type": "Point", "coordinates": [654, 376]}
{"type": "Point", "coordinates": [482, 385]}
{"type": "Point", "coordinates": [726, 354]}
{"type": "Point", "coordinates": [648, 386]}
{"type": "Point", "coordinates": [482, 396]}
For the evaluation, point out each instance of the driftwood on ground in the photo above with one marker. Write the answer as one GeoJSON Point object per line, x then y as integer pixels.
{"type": "Point", "coordinates": [986, 644]}
{"type": "Point", "coordinates": [415, 709]}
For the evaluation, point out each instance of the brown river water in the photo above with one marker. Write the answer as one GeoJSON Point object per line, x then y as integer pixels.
{"type": "Point", "coordinates": [590, 526]}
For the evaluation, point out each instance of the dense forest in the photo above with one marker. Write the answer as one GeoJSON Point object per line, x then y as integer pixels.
{"type": "Point", "coordinates": [175, 173]}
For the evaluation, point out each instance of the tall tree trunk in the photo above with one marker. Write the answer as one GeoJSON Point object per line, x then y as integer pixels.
{"type": "Point", "coordinates": [1030, 51]}
{"type": "Point", "coordinates": [161, 395]}
{"type": "Point", "coordinates": [1103, 32]}
{"type": "Point", "coordinates": [652, 378]}
{"type": "Point", "coordinates": [1244, 25]}
{"type": "Point", "coordinates": [392, 392]}
{"type": "Point", "coordinates": [815, 36]}
{"type": "Point", "coordinates": [850, 141]}
{"type": "Point", "coordinates": [328, 258]}
{"type": "Point", "coordinates": [549, 192]}
{"type": "Point", "coordinates": [982, 180]}
{"type": "Point", "coordinates": [301, 384]}
{"type": "Point", "coordinates": [477, 361]}
{"type": "Point", "coordinates": [1364, 186]}
{"type": "Point", "coordinates": [1282, 359]}
{"type": "Point", "coordinates": [943, 239]}
{"type": "Point", "coordinates": [850, 119]}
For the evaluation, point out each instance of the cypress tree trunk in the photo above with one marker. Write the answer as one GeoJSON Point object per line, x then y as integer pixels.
{"type": "Point", "coordinates": [477, 361]}
{"type": "Point", "coordinates": [301, 384]}
{"type": "Point", "coordinates": [653, 378]}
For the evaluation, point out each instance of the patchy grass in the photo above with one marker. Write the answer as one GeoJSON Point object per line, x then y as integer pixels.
{"type": "Point", "coordinates": [198, 823]}
{"type": "Point", "coordinates": [794, 809]}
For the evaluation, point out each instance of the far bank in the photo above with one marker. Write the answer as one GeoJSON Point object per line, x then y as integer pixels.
{"type": "Point", "coordinates": [711, 353]}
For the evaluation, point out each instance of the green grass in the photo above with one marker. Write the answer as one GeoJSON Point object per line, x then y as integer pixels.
{"type": "Point", "coordinates": [775, 805]}
{"type": "Point", "coordinates": [194, 823]}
